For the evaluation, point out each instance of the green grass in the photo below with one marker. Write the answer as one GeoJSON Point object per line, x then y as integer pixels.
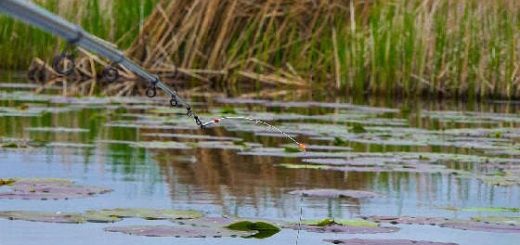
{"type": "Point", "coordinates": [465, 48]}
{"type": "Point", "coordinates": [117, 21]}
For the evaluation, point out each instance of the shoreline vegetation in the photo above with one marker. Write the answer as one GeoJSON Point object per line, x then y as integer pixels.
{"type": "Point", "coordinates": [446, 48]}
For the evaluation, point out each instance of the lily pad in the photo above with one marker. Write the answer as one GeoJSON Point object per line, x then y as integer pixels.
{"type": "Point", "coordinates": [263, 229]}
{"type": "Point", "coordinates": [69, 145]}
{"type": "Point", "coordinates": [499, 220]}
{"type": "Point", "coordinates": [161, 145]}
{"type": "Point", "coordinates": [192, 136]}
{"type": "Point", "coordinates": [222, 145]}
{"type": "Point", "coordinates": [149, 214]}
{"type": "Point", "coordinates": [58, 130]}
{"type": "Point", "coordinates": [49, 189]}
{"type": "Point", "coordinates": [342, 226]}
{"type": "Point", "coordinates": [334, 193]}
{"type": "Point", "coordinates": [357, 241]}
{"type": "Point", "coordinates": [448, 223]}
{"type": "Point", "coordinates": [256, 228]}
{"type": "Point", "coordinates": [482, 226]}
{"type": "Point", "coordinates": [491, 209]}
{"type": "Point", "coordinates": [345, 222]}
{"type": "Point", "coordinates": [7, 181]}
{"type": "Point", "coordinates": [409, 220]}
{"type": "Point", "coordinates": [47, 217]}
{"type": "Point", "coordinates": [178, 231]}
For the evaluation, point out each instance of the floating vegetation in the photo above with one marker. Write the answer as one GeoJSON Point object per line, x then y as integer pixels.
{"type": "Point", "coordinates": [192, 136]}
{"type": "Point", "coordinates": [357, 241]}
{"type": "Point", "coordinates": [334, 193]}
{"type": "Point", "coordinates": [347, 222]}
{"type": "Point", "coordinates": [355, 226]}
{"type": "Point", "coordinates": [491, 209]}
{"type": "Point", "coordinates": [69, 145]}
{"type": "Point", "coordinates": [149, 214]}
{"type": "Point", "coordinates": [481, 226]}
{"type": "Point", "coordinates": [47, 217]}
{"type": "Point", "coordinates": [178, 231]}
{"type": "Point", "coordinates": [100, 216]}
{"type": "Point", "coordinates": [161, 145]}
{"type": "Point", "coordinates": [474, 225]}
{"type": "Point", "coordinates": [515, 221]}
{"type": "Point", "coordinates": [49, 189]}
{"type": "Point", "coordinates": [263, 229]}
{"type": "Point", "coordinates": [58, 130]}
{"type": "Point", "coordinates": [358, 128]}
{"type": "Point", "coordinates": [318, 148]}
{"type": "Point", "coordinates": [6, 181]}
{"type": "Point", "coordinates": [204, 227]}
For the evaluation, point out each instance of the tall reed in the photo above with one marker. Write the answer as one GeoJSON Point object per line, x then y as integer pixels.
{"type": "Point", "coordinates": [463, 48]}
{"type": "Point", "coordinates": [400, 47]}
{"type": "Point", "coordinates": [115, 20]}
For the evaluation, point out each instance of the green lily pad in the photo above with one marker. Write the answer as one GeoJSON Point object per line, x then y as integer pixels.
{"type": "Point", "coordinates": [263, 229]}
{"type": "Point", "coordinates": [228, 110]}
{"type": "Point", "coordinates": [344, 222]}
{"type": "Point", "coordinates": [7, 181]}
{"type": "Point", "coordinates": [291, 149]}
{"type": "Point", "coordinates": [358, 128]}
{"type": "Point", "coordinates": [355, 226]}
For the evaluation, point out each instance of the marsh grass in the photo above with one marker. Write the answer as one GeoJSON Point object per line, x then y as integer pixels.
{"type": "Point", "coordinates": [400, 47]}
{"type": "Point", "coordinates": [465, 48]}
{"type": "Point", "coordinates": [117, 21]}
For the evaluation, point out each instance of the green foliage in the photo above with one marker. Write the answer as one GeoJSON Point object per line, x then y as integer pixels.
{"type": "Point", "coordinates": [117, 21]}
{"type": "Point", "coordinates": [291, 149]}
{"type": "Point", "coordinates": [264, 229]}
{"type": "Point", "coordinates": [342, 222]}
{"type": "Point", "coordinates": [228, 110]}
{"type": "Point", "coordinates": [357, 128]}
{"type": "Point", "coordinates": [339, 141]}
{"type": "Point", "coordinates": [7, 181]}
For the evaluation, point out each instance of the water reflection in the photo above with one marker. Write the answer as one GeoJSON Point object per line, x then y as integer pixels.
{"type": "Point", "coordinates": [223, 182]}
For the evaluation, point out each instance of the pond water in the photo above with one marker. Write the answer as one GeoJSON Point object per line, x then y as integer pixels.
{"type": "Point", "coordinates": [454, 160]}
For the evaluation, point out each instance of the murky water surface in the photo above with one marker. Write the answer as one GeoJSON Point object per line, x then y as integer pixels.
{"type": "Point", "coordinates": [429, 159]}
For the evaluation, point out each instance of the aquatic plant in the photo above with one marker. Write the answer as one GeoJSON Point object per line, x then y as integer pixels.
{"type": "Point", "coordinates": [446, 48]}
{"type": "Point", "coordinates": [117, 21]}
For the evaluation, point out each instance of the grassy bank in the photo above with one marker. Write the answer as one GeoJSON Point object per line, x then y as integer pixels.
{"type": "Point", "coordinates": [449, 48]}
{"type": "Point", "coordinates": [463, 48]}
{"type": "Point", "coordinates": [115, 20]}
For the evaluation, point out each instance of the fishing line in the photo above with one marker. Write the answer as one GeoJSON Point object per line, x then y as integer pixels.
{"type": "Point", "coordinates": [269, 126]}
{"type": "Point", "coordinates": [76, 36]}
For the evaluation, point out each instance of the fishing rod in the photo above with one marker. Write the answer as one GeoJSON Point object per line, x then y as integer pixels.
{"type": "Point", "coordinates": [32, 14]}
